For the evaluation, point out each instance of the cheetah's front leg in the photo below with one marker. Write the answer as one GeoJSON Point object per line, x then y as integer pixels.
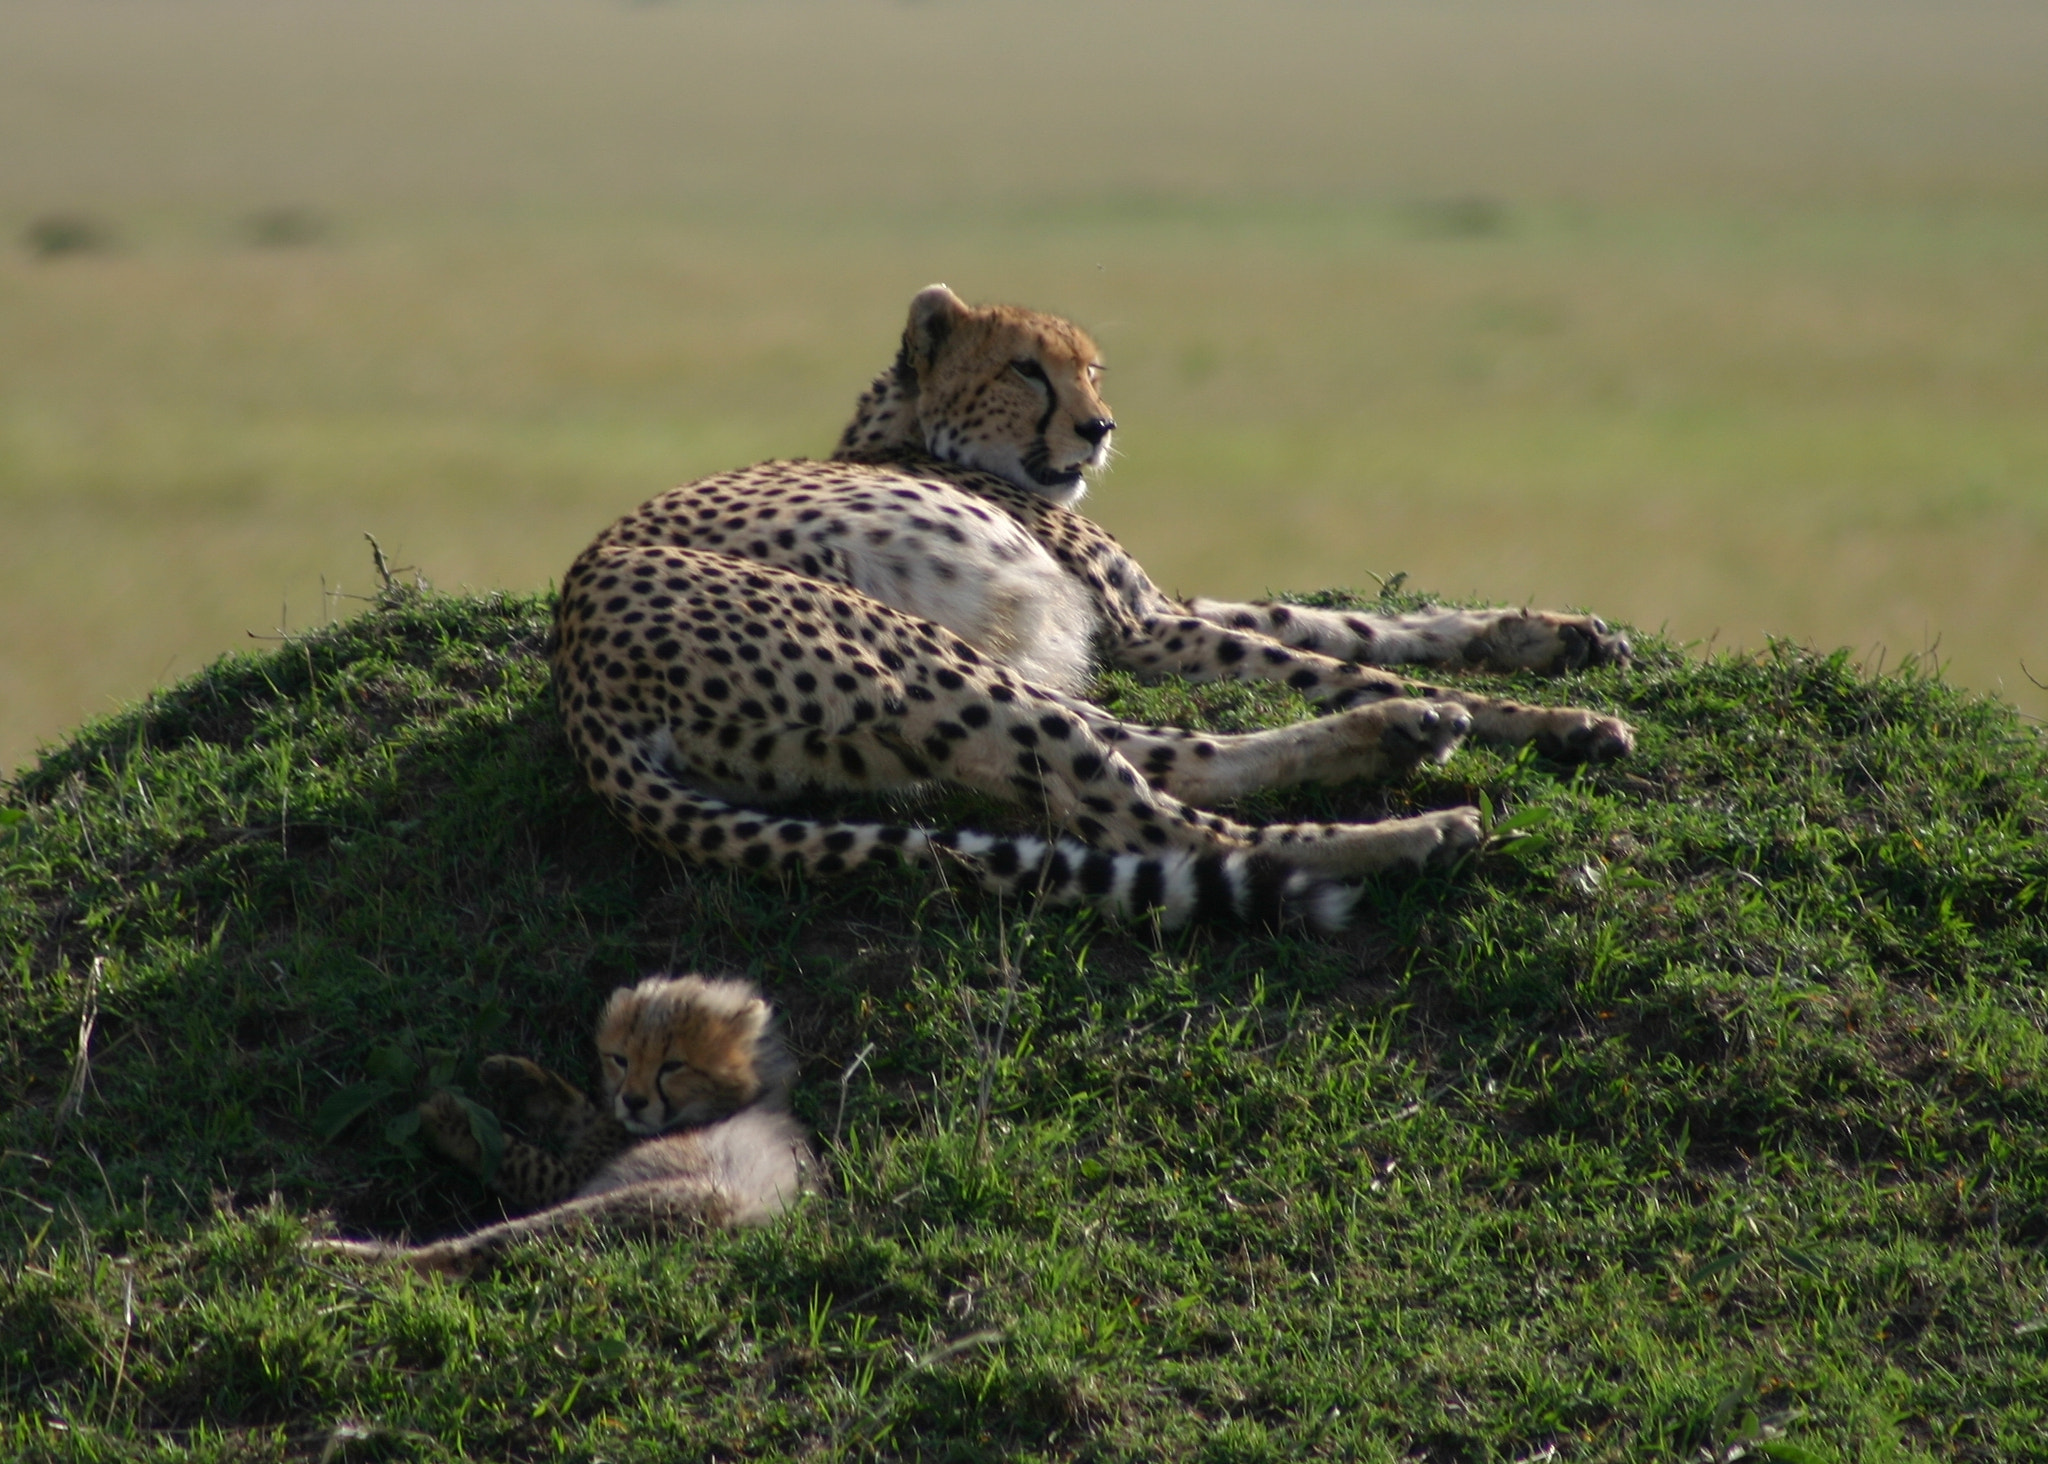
{"type": "Point", "coordinates": [1490, 640]}
{"type": "Point", "coordinates": [1201, 651]}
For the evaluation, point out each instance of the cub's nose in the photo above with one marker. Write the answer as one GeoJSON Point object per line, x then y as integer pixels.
{"type": "Point", "coordinates": [634, 1101]}
{"type": "Point", "coordinates": [1094, 430]}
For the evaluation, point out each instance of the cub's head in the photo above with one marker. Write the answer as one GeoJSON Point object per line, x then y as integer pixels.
{"type": "Point", "coordinates": [995, 387]}
{"type": "Point", "coordinates": [677, 1051]}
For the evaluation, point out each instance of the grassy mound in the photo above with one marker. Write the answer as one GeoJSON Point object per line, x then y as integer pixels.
{"type": "Point", "coordinates": [1706, 1113]}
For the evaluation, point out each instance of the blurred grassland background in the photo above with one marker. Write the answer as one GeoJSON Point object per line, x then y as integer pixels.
{"type": "Point", "coordinates": [1729, 318]}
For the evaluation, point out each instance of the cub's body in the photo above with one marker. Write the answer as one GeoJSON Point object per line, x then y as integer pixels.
{"type": "Point", "coordinates": [693, 1129]}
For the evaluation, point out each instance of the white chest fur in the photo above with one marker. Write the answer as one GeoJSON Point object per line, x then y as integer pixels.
{"type": "Point", "coordinates": [940, 554]}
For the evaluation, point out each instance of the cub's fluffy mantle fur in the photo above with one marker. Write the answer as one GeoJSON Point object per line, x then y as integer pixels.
{"type": "Point", "coordinates": [693, 1129]}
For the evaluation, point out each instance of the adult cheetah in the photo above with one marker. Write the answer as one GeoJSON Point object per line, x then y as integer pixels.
{"type": "Point", "coordinates": [927, 605]}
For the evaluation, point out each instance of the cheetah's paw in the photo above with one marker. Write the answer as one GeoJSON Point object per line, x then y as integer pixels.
{"type": "Point", "coordinates": [1547, 642]}
{"type": "Point", "coordinates": [1444, 836]}
{"type": "Point", "coordinates": [1585, 737]}
{"type": "Point", "coordinates": [1414, 731]}
{"type": "Point", "coordinates": [1382, 739]}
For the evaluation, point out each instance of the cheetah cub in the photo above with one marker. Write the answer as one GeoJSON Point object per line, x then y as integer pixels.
{"type": "Point", "coordinates": [693, 1129]}
{"type": "Point", "coordinates": [930, 606]}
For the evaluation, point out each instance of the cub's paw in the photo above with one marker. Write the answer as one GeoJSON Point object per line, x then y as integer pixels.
{"type": "Point", "coordinates": [444, 1122]}
{"type": "Point", "coordinates": [1547, 642]}
{"type": "Point", "coordinates": [525, 1091]}
{"type": "Point", "coordinates": [512, 1077]}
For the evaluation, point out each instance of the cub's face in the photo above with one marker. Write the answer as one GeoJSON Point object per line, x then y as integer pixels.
{"type": "Point", "coordinates": [678, 1052]}
{"type": "Point", "coordinates": [1009, 391]}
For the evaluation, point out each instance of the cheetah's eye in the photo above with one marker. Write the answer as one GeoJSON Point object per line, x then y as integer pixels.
{"type": "Point", "coordinates": [616, 1059]}
{"type": "Point", "coordinates": [673, 1065]}
{"type": "Point", "coordinates": [1030, 370]}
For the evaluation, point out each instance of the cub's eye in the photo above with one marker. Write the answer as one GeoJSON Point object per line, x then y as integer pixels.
{"type": "Point", "coordinates": [1030, 370]}
{"type": "Point", "coordinates": [673, 1065]}
{"type": "Point", "coordinates": [616, 1059]}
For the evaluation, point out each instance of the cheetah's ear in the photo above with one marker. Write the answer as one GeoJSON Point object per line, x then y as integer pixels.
{"type": "Point", "coordinates": [934, 311]}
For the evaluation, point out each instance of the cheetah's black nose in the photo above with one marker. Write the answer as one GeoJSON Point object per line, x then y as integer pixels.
{"type": "Point", "coordinates": [634, 1102]}
{"type": "Point", "coordinates": [1094, 430]}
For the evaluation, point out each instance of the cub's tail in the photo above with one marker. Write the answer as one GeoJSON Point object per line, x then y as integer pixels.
{"type": "Point", "coordinates": [743, 1170]}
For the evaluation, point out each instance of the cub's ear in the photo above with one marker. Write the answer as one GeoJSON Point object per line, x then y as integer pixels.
{"type": "Point", "coordinates": [934, 311]}
{"type": "Point", "coordinates": [752, 1019]}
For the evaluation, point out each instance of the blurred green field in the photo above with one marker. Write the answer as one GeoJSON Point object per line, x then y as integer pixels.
{"type": "Point", "coordinates": [1732, 320]}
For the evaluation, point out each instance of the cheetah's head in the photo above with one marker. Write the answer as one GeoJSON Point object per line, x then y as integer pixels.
{"type": "Point", "coordinates": [1006, 390]}
{"type": "Point", "coordinates": [679, 1051]}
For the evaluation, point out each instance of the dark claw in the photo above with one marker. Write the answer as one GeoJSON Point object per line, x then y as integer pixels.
{"type": "Point", "coordinates": [444, 1122]}
{"type": "Point", "coordinates": [1595, 647]}
{"type": "Point", "coordinates": [1602, 745]}
{"type": "Point", "coordinates": [1408, 751]}
{"type": "Point", "coordinates": [511, 1081]}
{"type": "Point", "coordinates": [1586, 744]}
{"type": "Point", "coordinates": [1441, 727]}
{"type": "Point", "coordinates": [1351, 696]}
{"type": "Point", "coordinates": [1402, 745]}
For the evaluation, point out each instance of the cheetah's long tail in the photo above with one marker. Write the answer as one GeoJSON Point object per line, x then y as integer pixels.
{"type": "Point", "coordinates": [1172, 886]}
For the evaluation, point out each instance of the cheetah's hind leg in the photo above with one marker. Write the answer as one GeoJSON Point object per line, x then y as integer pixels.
{"type": "Point", "coordinates": [1375, 742]}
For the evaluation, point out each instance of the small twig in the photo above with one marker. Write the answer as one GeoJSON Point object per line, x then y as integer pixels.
{"type": "Point", "coordinates": [958, 1345]}
{"type": "Point", "coordinates": [127, 1267]}
{"type": "Point", "coordinates": [993, 1050]}
{"type": "Point", "coordinates": [81, 1065]}
{"type": "Point", "coordinates": [343, 1281]}
{"type": "Point", "coordinates": [2042, 685]}
{"type": "Point", "coordinates": [357, 1431]}
{"type": "Point", "coordinates": [845, 1077]}
{"type": "Point", "coordinates": [389, 573]}
{"type": "Point", "coordinates": [383, 564]}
